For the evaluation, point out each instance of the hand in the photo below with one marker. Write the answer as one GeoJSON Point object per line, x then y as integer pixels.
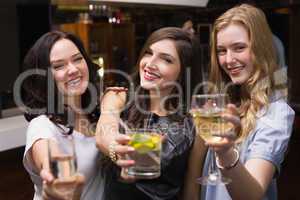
{"type": "Point", "coordinates": [121, 148]}
{"type": "Point", "coordinates": [114, 99]}
{"type": "Point", "coordinates": [227, 141]}
{"type": "Point", "coordinates": [61, 189]}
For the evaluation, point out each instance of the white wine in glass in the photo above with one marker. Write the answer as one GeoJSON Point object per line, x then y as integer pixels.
{"type": "Point", "coordinates": [206, 111]}
{"type": "Point", "coordinates": [209, 124]}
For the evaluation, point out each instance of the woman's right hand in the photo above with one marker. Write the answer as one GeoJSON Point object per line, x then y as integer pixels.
{"type": "Point", "coordinates": [114, 99]}
{"type": "Point", "coordinates": [121, 149]}
{"type": "Point", "coordinates": [61, 189]}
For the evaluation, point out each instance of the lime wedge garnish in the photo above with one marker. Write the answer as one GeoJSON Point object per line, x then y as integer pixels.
{"type": "Point", "coordinates": [144, 143]}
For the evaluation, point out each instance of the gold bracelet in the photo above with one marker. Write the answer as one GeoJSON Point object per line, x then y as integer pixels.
{"type": "Point", "coordinates": [111, 151]}
{"type": "Point", "coordinates": [232, 165]}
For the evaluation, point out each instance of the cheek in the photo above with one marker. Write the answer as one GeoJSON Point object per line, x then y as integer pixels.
{"type": "Point", "coordinates": [142, 64]}
{"type": "Point", "coordinates": [172, 74]}
{"type": "Point", "coordinates": [59, 76]}
{"type": "Point", "coordinates": [86, 71]}
{"type": "Point", "coordinates": [221, 60]}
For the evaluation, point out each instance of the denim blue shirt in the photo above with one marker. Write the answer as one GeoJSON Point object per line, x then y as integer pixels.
{"type": "Point", "coordinates": [268, 141]}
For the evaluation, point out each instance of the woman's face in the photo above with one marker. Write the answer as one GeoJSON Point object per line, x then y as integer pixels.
{"type": "Point", "coordinates": [160, 66]}
{"type": "Point", "coordinates": [69, 68]}
{"type": "Point", "coordinates": [234, 53]}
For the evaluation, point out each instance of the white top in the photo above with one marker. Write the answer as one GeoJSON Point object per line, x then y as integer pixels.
{"type": "Point", "coordinates": [87, 154]}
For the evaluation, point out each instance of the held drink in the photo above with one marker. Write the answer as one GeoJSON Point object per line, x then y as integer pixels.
{"type": "Point", "coordinates": [62, 166]}
{"type": "Point", "coordinates": [209, 124]}
{"type": "Point", "coordinates": [146, 155]}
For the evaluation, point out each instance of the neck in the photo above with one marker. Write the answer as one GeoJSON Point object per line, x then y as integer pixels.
{"type": "Point", "coordinates": [74, 103]}
{"type": "Point", "coordinates": [157, 102]}
{"type": "Point", "coordinates": [81, 123]}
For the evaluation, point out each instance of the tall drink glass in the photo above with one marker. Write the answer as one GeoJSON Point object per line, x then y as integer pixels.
{"type": "Point", "coordinates": [62, 157]}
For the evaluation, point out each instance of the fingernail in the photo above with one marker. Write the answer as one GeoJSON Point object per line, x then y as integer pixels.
{"type": "Point", "coordinates": [131, 149]}
{"type": "Point", "coordinates": [127, 137]}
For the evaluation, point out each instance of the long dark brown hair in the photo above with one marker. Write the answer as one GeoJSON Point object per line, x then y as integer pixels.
{"type": "Point", "coordinates": [188, 49]}
{"type": "Point", "coordinates": [36, 88]}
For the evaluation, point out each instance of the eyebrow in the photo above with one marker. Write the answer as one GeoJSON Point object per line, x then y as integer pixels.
{"type": "Point", "coordinates": [61, 60]}
{"type": "Point", "coordinates": [167, 55]}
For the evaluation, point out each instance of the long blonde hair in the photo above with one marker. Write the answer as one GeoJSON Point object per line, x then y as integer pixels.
{"type": "Point", "coordinates": [255, 93]}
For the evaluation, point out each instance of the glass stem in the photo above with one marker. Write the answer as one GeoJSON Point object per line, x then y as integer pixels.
{"type": "Point", "coordinates": [213, 170]}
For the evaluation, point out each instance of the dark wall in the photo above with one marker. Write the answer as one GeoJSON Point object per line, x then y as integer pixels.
{"type": "Point", "coordinates": [21, 22]}
{"type": "Point", "coordinates": [9, 53]}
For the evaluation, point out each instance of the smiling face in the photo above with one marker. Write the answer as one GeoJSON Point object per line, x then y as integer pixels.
{"type": "Point", "coordinates": [69, 68]}
{"type": "Point", "coordinates": [234, 53]}
{"type": "Point", "coordinates": [160, 66]}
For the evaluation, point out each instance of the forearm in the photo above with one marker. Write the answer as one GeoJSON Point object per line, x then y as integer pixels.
{"type": "Point", "coordinates": [107, 129]}
{"type": "Point", "coordinates": [249, 181]}
{"type": "Point", "coordinates": [39, 153]}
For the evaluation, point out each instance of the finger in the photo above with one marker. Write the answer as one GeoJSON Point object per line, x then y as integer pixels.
{"type": "Point", "coordinates": [125, 163]}
{"type": "Point", "coordinates": [222, 142]}
{"type": "Point", "coordinates": [235, 120]}
{"type": "Point", "coordinates": [232, 109]}
{"type": "Point", "coordinates": [122, 139]}
{"type": "Point", "coordinates": [46, 175]}
{"type": "Point", "coordinates": [48, 192]}
{"type": "Point", "coordinates": [123, 149]}
{"type": "Point", "coordinates": [125, 177]}
{"type": "Point", "coordinates": [80, 179]}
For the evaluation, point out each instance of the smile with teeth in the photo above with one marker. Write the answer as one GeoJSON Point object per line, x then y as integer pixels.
{"type": "Point", "coordinates": [150, 76]}
{"type": "Point", "coordinates": [74, 82]}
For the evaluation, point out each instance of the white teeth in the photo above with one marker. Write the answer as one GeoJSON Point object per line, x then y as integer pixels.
{"type": "Point", "coordinates": [74, 82]}
{"type": "Point", "coordinates": [150, 74]}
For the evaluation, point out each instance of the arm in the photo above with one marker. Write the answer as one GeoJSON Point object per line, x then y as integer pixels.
{"type": "Point", "coordinates": [256, 174]}
{"type": "Point", "coordinates": [39, 163]}
{"type": "Point", "coordinates": [259, 169]}
{"type": "Point", "coordinates": [39, 153]}
{"type": "Point", "coordinates": [107, 130]}
{"type": "Point", "coordinates": [191, 188]}
{"type": "Point", "coordinates": [112, 103]}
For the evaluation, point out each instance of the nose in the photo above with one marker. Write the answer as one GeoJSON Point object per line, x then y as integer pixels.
{"type": "Point", "coordinates": [151, 62]}
{"type": "Point", "coordinates": [229, 57]}
{"type": "Point", "coordinates": [72, 68]}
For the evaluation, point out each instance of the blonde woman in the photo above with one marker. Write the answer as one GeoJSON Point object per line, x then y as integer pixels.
{"type": "Point", "coordinates": [243, 62]}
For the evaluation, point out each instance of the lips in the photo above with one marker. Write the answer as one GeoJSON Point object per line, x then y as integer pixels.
{"type": "Point", "coordinates": [150, 76]}
{"type": "Point", "coordinates": [235, 70]}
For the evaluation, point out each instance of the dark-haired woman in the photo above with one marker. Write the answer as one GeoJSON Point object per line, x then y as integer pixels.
{"type": "Point", "coordinates": [61, 98]}
{"type": "Point", "coordinates": [157, 101]}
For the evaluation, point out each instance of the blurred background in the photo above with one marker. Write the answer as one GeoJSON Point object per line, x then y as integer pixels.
{"type": "Point", "coordinates": [113, 33]}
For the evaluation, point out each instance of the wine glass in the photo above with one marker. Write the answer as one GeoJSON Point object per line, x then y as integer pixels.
{"type": "Point", "coordinates": [206, 110]}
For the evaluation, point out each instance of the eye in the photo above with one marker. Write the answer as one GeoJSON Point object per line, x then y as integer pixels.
{"type": "Point", "coordinates": [168, 60]}
{"type": "Point", "coordinates": [221, 52]}
{"type": "Point", "coordinates": [78, 59]}
{"type": "Point", "coordinates": [148, 53]}
{"type": "Point", "coordinates": [239, 48]}
{"type": "Point", "coordinates": [58, 66]}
